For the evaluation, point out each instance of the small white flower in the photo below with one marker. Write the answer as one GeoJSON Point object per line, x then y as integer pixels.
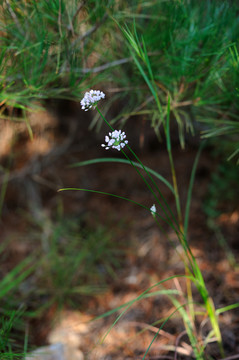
{"type": "Point", "coordinates": [153, 209]}
{"type": "Point", "coordinates": [115, 140]}
{"type": "Point", "coordinates": [91, 99]}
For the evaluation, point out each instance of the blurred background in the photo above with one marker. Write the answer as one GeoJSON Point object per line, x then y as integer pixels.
{"type": "Point", "coordinates": [76, 254]}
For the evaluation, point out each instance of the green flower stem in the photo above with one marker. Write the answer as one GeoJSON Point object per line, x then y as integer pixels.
{"type": "Point", "coordinates": [111, 128]}
{"type": "Point", "coordinates": [176, 194]}
{"type": "Point", "coordinates": [173, 172]}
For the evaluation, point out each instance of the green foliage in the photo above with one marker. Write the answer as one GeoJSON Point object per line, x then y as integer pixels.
{"type": "Point", "coordinates": [50, 49]}
{"type": "Point", "coordinates": [15, 277]}
{"type": "Point", "coordinates": [75, 262]}
{"type": "Point", "coordinates": [8, 348]}
{"type": "Point", "coordinates": [11, 311]}
{"type": "Point", "coordinates": [188, 45]}
{"type": "Point", "coordinates": [45, 47]}
{"type": "Point", "coordinates": [72, 264]}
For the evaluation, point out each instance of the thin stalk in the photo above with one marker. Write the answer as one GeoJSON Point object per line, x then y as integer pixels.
{"type": "Point", "coordinates": [111, 128]}
{"type": "Point", "coordinates": [173, 172]}
{"type": "Point", "coordinates": [176, 193]}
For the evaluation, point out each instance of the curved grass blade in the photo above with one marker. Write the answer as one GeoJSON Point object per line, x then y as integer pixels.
{"type": "Point", "coordinates": [155, 336]}
{"type": "Point", "coordinates": [130, 303]}
{"type": "Point", "coordinates": [227, 308]}
{"type": "Point", "coordinates": [124, 161]}
{"type": "Point", "coordinates": [188, 326]}
{"type": "Point", "coordinates": [116, 196]}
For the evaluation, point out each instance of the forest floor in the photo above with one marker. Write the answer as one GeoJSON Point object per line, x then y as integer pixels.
{"type": "Point", "coordinates": [147, 255]}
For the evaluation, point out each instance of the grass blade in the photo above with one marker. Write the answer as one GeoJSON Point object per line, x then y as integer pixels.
{"type": "Point", "coordinates": [124, 161]}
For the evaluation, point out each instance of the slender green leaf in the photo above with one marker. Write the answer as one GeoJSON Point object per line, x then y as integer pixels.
{"type": "Point", "coordinates": [124, 161]}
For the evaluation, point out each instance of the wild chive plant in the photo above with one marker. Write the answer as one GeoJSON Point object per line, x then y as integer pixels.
{"type": "Point", "coordinates": [42, 58]}
{"type": "Point", "coordinates": [161, 212]}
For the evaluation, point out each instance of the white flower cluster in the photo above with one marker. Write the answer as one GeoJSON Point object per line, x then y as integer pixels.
{"type": "Point", "coordinates": [115, 140]}
{"type": "Point", "coordinates": [91, 99]}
